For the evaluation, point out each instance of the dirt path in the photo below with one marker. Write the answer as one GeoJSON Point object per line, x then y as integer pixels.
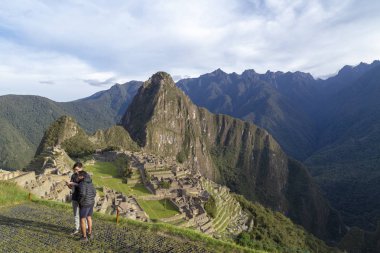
{"type": "Point", "coordinates": [33, 228]}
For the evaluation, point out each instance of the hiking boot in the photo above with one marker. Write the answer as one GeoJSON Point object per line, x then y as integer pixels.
{"type": "Point", "coordinates": [75, 232]}
{"type": "Point", "coordinates": [83, 239]}
{"type": "Point", "coordinates": [90, 236]}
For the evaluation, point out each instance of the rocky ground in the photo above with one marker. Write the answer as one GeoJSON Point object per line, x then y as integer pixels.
{"type": "Point", "coordinates": [31, 227]}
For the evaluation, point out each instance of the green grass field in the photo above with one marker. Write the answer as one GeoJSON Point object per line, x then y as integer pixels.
{"type": "Point", "coordinates": [158, 209]}
{"type": "Point", "coordinates": [11, 193]}
{"type": "Point", "coordinates": [106, 174]}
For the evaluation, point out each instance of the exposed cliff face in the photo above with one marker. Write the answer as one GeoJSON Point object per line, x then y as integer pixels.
{"type": "Point", "coordinates": [163, 120]}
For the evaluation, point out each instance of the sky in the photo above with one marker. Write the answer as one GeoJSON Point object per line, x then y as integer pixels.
{"type": "Point", "coordinates": [66, 50]}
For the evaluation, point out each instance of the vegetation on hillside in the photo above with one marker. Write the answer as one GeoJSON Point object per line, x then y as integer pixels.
{"type": "Point", "coordinates": [115, 137]}
{"type": "Point", "coordinates": [25, 118]}
{"type": "Point", "coordinates": [358, 240]}
{"type": "Point", "coordinates": [78, 146]}
{"type": "Point", "coordinates": [123, 166]}
{"type": "Point", "coordinates": [273, 232]}
{"type": "Point", "coordinates": [164, 184]}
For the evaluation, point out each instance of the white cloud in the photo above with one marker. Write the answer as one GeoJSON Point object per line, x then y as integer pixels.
{"type": "Point", "coordinates": [53, 75]}
{"type": "Point", "coordinates": [69, 41]}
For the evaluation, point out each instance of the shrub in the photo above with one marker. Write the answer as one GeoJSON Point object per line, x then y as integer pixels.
{"type": "Point", "coordinates": [210, 207]}
{"type": "Point", "coordinates": [164, 184]}
{"type": "Point", "coordinates": [181, 157]}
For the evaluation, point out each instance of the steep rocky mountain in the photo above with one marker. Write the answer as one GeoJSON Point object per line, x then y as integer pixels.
{"type": "Point", "coordinates": [163, 120]}
{"type": "Point", "coordinates": [25, 118]}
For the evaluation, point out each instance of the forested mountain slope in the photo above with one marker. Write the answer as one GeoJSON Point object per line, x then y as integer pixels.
{"type": "Point", "coordinates": [25, 118]}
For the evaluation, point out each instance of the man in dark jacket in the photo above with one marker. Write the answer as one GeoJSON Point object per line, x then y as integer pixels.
{"type": "Point", "coordinates": [86, 202]}
{"type": "Point", "coordinates": [74, 186]}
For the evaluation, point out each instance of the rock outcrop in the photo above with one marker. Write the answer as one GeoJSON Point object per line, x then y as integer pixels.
{"type": "Point", "coordinates": [65, 137]}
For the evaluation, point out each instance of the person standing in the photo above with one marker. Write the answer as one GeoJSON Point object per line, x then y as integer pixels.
{"type": "Point", "coordinates": [74, 186]}
{"type": "Point", "coordinates": [87, 194]}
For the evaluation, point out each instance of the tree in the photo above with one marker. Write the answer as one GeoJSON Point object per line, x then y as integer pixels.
{"type": "Point", "coordinates": [127, 171]}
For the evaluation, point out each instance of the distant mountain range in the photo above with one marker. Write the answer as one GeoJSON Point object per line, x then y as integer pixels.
{"type": "Point", "coordinates": [331, 125]}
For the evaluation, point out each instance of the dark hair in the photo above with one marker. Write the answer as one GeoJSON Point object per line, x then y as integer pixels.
{"type": "Point", "coordinates": [82, 173]}
{"type": "Point", "coordinates": [77, 164]}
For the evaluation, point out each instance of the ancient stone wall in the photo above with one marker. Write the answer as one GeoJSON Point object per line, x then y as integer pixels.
{"type": "Point", "coordinates": [23, 178]}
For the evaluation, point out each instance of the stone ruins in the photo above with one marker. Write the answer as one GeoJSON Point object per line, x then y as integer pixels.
{"type": "Point", "coordinates": [47, 186]}
{"type": "Point", "coordinates": [165, 178]}
{"type": "Point", "coordinates": [128, 206]}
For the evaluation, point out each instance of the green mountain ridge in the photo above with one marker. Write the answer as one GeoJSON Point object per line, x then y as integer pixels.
{"type": "Point", "coordinates": [25, 118]}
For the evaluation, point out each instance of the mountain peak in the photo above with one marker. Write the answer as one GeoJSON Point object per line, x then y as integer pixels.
{"type": "Point", "coordinates": [153, 99]}
{"type": "Point", "coordinates": [218, 71]}
{"type": "Point", "coordinates": [159, 79]}
{"type": "Point", "coordinates": [249, 73]}
{"type": "Point", "coordinates": [359, 69]}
